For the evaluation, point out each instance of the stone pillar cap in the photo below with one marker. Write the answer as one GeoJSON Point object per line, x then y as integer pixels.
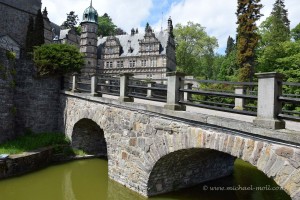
{"type": "Point", "coordinates": [269, 75]}
{"type": "Point", "coordinates": [176, 73]}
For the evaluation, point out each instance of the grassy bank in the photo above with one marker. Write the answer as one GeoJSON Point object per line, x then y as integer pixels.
{"type": "Point", "coordinates": [33, 141]}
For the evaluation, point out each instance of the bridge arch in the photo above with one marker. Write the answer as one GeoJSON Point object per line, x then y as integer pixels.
{"type": "Point", "coordinates": [213, 153]}
{"type": "Point", "coordinates": [188, 167]}
{"type": "Point", "coordinates": [89, 137]}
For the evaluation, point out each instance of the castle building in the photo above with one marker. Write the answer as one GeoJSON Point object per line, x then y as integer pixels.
{"type": "Point", "coordinates": [146, 55]}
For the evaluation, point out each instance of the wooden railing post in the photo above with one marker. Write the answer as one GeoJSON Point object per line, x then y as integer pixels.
{"type": "Point", "coordinates": [94, 86]}
{"type": "Point", "coordinates": [239, 103]}
{"type": "Point", "coordinates": [124, 90]}
{"type": "Point", "coordinates": [74, 82]}
{"type": "Point", "coordinates": [175, 82]}
{"type": "Point", "coordinates": [268, 105]}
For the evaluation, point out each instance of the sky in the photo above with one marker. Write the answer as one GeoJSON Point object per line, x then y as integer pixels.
{"type": "Point", "coordinates": [217, 16]}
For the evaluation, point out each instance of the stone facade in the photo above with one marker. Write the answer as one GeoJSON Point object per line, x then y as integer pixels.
{"type": "Point", "coordinates": [7, 109]}
{"type": "Point", "coordinates": [146, 55]}
{"type": "Point", "coordinates": [141, 145]}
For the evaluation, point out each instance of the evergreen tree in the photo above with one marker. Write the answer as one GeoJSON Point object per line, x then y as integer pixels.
{"type": "Point", "coordinates": [39, 37]}
{"type": "Point", "coordinates": [29, 37]}
{"type": "Point", "coordinates": [248, 12]}
{"type": "Point", "coordinates": [280, 12]}
{"type": "Point", "coordinates": [71, 20]}
{"type": "Point", "coordinates": [230, 46]}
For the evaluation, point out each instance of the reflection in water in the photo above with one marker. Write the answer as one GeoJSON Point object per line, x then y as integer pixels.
{"type": "Point", "coordinates": [88, 180]}
{"type": "Point", "coordinates": [67, 188]}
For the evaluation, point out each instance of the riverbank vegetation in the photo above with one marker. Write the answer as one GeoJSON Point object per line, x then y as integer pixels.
{"type": "Point", "coordinates": [31, 141]}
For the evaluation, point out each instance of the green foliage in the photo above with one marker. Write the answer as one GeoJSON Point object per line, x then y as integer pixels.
{"type": "Point", "coordinates": [39, 38]}
{"type": "Point", "coordinates": [57, 59]}
{"type": "Point", "coordinates": [10, 55]}
{"type": "Point", "coordinates": [230, 45]}
{"type": "Point", "coordinates": [71, 20]}
{"type": "Point", "coordinates": [248, 12]}
{"type": "Point", "coordinates": [35, 33]}
{"type": "Point", "coordinates": [194, 50]}
{"type": "Point", "coordinates": [106, 26]}
{"type": "Point", "coordinates": [229, 67]}
{"type": "Point", "coordinates": [33, 141]}
{"type": "Point", "coordinates": [296, 32]}
{"type": "Point", "coordinates": [29, 37]}
{"type": "Point", "coordinates": [283, 57]}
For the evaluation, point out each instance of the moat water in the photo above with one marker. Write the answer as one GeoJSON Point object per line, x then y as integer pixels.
{"type": "Point", "coordinates": [88, 180]}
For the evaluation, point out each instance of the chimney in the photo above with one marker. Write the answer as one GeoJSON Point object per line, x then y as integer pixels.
{"type": "Point", "coordinates": [132, 32]}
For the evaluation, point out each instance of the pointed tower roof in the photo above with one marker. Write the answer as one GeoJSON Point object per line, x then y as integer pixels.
{"type": "Point", "coordinates": [90, 14]}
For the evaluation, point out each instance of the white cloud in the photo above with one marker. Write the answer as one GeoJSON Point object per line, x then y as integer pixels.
{"type": "Point", "coordinates": [217, 16]}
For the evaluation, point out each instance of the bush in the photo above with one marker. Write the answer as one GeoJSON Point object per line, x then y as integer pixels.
{"type": "Point", "coordinates": [10, 55]}
{"type": "Point", "coordinates": [57, 59]}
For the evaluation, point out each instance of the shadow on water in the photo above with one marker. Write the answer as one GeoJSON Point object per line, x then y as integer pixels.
{"type": "Point", "coordinates": [88, 180]}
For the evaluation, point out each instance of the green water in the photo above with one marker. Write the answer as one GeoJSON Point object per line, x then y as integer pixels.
{"type": "Point", "coordinates": [87, 180]}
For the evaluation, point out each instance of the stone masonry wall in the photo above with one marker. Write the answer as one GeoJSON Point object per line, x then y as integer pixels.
{"type": "Point", "coordinates": [138, 140]}
{"type": "Point", "coordinates": [7, 109]}
{"type": "Point", "coordinates": [36, 100]}
{"type": "Point", "coordinates": [15, 21]}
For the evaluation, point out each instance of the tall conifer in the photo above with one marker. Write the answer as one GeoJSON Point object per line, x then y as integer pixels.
{"type": "Point", "coordinates": [248, 12]}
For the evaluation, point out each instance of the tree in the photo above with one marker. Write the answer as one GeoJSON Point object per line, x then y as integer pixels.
{"type": "Point", "coordinates": [39, 37]}
{"type": "Point", "coordinates": [57, 59]}
{"type": "Point", "coordinates": [248, 12]}
{"type": "Point", "coordinates": [71, 20]}
{"type": "Point", "coordinates": [120, 31]}
{"type": "Point", "coordinates": [230, 45]}
{"type": "Point", "coordinates": [29, 37]}
{"type": "Point", "coordinates": [276, 28]}
{"type": "Point", "coordinates": [296, 32]}
{"type": "Point", "coordinates": [106, 26]}
{"type": "Point", "coordinates": [194, 50]}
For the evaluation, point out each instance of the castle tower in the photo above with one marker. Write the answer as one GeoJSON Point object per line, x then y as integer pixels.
{"type": "Point", "coordinates": [88, 40]}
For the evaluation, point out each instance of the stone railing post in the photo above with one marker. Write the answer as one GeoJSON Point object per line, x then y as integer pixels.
{"type": "Point", "coordinates": [268, 105]}
{"type": "Point", "coordinates": [175, 82]}
{"type": "Point", "coordinates": [150, 91]}
{"type": "Point", "coordinates": [74, 82]}
{"type": "Point", "coordinates": [187, 96]}
{"type": "Point", "coordinates": [94, 86]}
{"type": "Point", "coordinates": [124, 90]}
{"type": "Point", "coordinates": [239, 103]}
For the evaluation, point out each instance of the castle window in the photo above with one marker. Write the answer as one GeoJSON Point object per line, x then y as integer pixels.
{"type": "Point", "coordinates": [132, 63]}
{"type": "Point", "coordinates": [153, 62]}
{"type": "Point", "coordinates": [144, 63]}
{"type": "Point", "coordinates": [120, 64]}
{"type": "Point", "coordinates": [109, 64]}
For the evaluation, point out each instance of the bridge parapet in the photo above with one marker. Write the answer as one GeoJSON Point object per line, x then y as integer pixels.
{"type": "Point", "coordinates": [179, 93]}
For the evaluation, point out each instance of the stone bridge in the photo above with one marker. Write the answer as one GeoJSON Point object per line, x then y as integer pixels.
{"type": "Point", "coordinates": [154, 150]}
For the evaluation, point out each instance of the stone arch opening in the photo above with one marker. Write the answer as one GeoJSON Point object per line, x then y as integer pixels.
{"type": "Point", "coordinates": [186, 168]}
{"type": "Point", "coordinates": [89, 137]}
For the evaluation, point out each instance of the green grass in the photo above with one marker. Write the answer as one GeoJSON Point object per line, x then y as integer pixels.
{"type": "Point", "coordinates": [33, 141]}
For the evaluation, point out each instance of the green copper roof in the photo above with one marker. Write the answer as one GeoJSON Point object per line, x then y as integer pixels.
{"type": "Point", "coordinates": [90, 15]}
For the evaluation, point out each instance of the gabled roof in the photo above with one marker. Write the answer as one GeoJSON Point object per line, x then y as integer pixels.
{"type": "Point", "coordinates": [127, 41]}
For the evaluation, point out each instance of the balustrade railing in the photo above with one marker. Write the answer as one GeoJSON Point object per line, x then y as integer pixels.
{"type": "Point", "coordinates": [264, 99]}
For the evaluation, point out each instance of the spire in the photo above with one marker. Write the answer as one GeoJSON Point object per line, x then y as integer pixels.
{"type": "Point", "coordinates": [170, 27]}
{"type": "Point", "coordinates": [91, 3]}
